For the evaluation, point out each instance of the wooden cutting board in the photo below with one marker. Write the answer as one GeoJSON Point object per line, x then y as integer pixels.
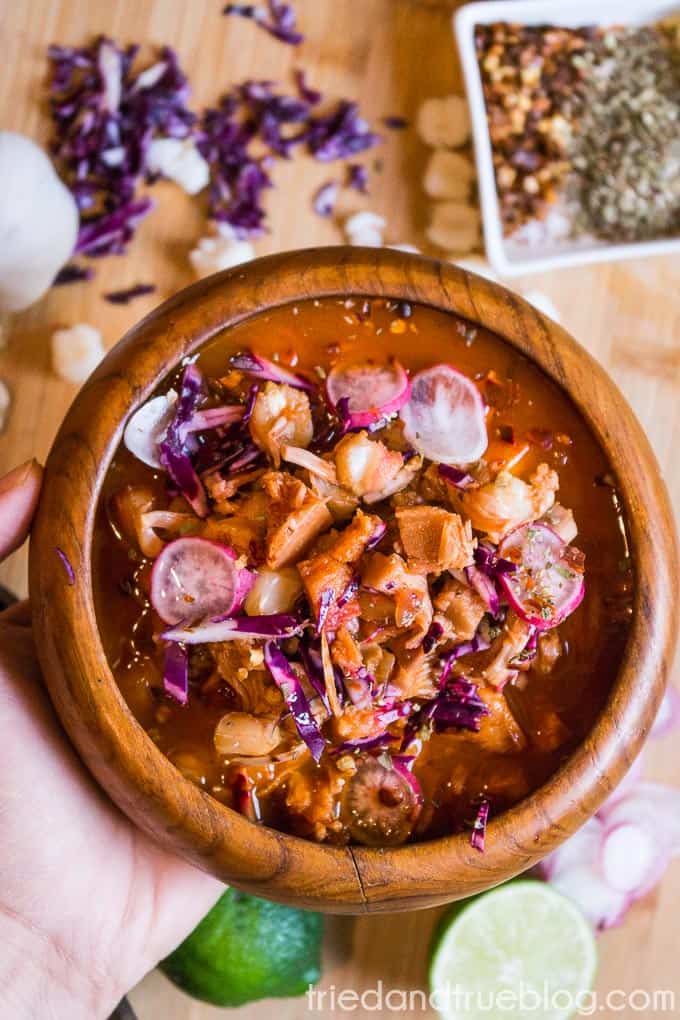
{"type": "Point", "coordinates": [390, 55]}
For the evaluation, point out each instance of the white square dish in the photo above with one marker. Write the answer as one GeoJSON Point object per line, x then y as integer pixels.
{"type": "Point", "coordinates": [507, 256]}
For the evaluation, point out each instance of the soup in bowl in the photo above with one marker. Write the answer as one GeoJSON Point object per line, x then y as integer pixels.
{"type": "Point", "coordinates": [362, 573]}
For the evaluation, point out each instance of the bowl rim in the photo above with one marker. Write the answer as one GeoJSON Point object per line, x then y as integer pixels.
{"type": "Point", "coordinates": [121, 755]}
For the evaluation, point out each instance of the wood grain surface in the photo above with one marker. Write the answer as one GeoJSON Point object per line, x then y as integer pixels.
{"type": "Point", "coordinates": [390, 54]}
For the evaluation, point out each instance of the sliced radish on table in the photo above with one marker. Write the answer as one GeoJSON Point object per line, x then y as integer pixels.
{"type": "Point", "coordinates": [548, 584]}
{"type": "Point", "coordinates": [147, 427]}
{"type": "Point", "coordinates": [632, 861]}
{"type": "Point", "coordinates": [193, 578]}
{"type": "Point", "coordinates": [444, 418]}
{"type": "Point", "coordinates": [602, 905]}
{"type": "Point", "coordinates": [574, 869]}
{"type": "Point", "coordinates": [365, 393]}
{"type": "Point", "coordinates": [651, 806]}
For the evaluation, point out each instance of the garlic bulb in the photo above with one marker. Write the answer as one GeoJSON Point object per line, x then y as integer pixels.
{"type": "Point", "coordinates": [38, 222]}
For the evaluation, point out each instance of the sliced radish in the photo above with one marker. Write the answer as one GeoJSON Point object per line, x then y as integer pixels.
{"type": "Point", "coordinates": [369, 391]}
{"type": "Point", "coordinates": [193, 578]}
{"type": "Point", "coordinates": [147, 427]}
{"type": "Point", "coordinates": [603, 906]}
{"type": "Point", "coordinates": [574, 869]}
{"type": "Point", "coordinates": [653, 807]}
{"type": "Point", "coordinates": [631, 860]}
{"type": "Point", "coordinates": [444, 418]}
{"type": "Point", "coordinates": [548, 585]}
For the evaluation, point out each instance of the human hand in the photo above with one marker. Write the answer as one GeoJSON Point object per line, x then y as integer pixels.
{"type": "Point", "coordinates": [88, 903]}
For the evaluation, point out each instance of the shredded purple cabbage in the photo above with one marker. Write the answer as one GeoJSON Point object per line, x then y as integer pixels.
{"type": "Point", "coordinates": [378, 741]}
{"type": "Point", "coordinates": [235, 628]}
{"type": "Point", "coordinates": [70, 572]}
{"type": "Point", "coordinates": [349, 592]}
{"type": "Point", "coordinates": [434, 633]}
{"type": "Point", "coordinates": [175, 451]}
{"type": "Point", "coordinates": [479, 643]}
{"type": "Point", "coordinates": [176, 672]}
{"type": "Point", "coordinates": [325, 199]}
{"type": "Point", "coordinates": [72, 274]}
{"type": "Point", "coordinates": [456, 476]}
{"type": "Point", "coordinates": [456, 706]}
{"type": "Point", "coordinates": [340, 133]}
{"type": "Point", "coordinates": [105, 115]}
{"type": "Point", "coordinates": [276, 18]}
{"type": "Point", "coordinates": [377, 536]}
{"type": "Point", "coordinates": [359, 689]}
{"type": "Point", "coordinates": [123, 297]}
{"type": "Point", "coordinates": [478, 837]}
{"type": "Point", "coordinates": [287, 680]}
{"type": "Point", "coordinates": [403, 764]}
{"type": "Point", "coordinates": [394, 122]}
{"type": "Point", "coordinates": [263, 368]}
{"type": "Point", "coordinates": [311, 662]}
{"type": "Point", "coordinates": [490, 563]}
{"type": "Point", "coordinates": [310, 95]}
{"type": "Point", "coordinates": [357, 177]}
{"type": "Point", "coordinates": [485, 587]}
{"type": "Point", "coordinates": [254, 115]}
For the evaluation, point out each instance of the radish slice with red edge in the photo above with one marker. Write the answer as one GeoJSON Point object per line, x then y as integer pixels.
{"type": "Point", "coordinates": [548, 584]}
{"type": "Point", "coordinates": [653, 807]}
{"type": "Point", "coordinates": [631, 859]}
{"type": "Point", "coordinates": [369, 391]}
{"type": "Point", "coordinates": [444, 418]}
{"type": "Point", "coordinates": [194, 577]}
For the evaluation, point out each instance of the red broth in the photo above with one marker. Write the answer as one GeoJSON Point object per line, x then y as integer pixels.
{"type": "Point", "coordinates": [551, 709]}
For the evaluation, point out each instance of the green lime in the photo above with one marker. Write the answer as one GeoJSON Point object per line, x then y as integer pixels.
{"type": "Point", "coordinates": [246, 949]}
{"type": "Point", "coordinates": [519, 952]}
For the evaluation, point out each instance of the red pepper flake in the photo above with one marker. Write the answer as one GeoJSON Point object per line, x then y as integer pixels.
{"type": "Point", "coordinates": [506, 433]}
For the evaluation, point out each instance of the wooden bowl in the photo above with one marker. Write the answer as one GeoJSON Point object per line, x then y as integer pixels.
{"type": "Point", "coordinates": [126, 762]}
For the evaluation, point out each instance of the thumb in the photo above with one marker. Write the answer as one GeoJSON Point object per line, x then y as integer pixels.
{"type": "Point", "coordinates": [19, 492]}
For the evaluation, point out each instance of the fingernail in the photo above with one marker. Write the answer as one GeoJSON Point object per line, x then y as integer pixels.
{"type": "Point", "coordinates": [17, 477]}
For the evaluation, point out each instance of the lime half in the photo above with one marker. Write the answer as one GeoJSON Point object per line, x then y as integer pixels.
{"type": "Point", "coordinates": [519, 952]}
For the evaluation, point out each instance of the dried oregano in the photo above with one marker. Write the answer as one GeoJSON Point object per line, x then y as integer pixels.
{"type": "Point", "coordinates": [626, 149]}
